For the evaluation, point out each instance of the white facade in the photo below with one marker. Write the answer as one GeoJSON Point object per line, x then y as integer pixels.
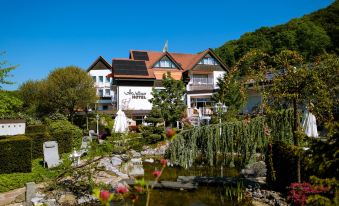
{"type": "Point", "coordinates": [102, 83]}
{"type": "Point", "coordinates": [134, 97]}
{"type": "Point", "coordinates": [12, 127]}
{"type": "Point", "coordinates": [103, 88]}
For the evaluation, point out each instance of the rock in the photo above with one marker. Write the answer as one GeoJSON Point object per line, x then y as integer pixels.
{"type": "Point", "coordinates": [20, 198]}
{"type": "Point", "coordinates": [30, 192]}
{"type": "Point", "coordinates": [67, 199]}
{"type": "Point", "coordinates": [247, 172]}
{"type": "Point", "coordinates": [257, 169]}
{"type": "Point", "coordinates": [85, 199]}
{"type": "Point", "coordinates": [116, 161]}
{"type": "Point", "coordinates": [50, 202]}
{"type": "Point", "coordinates": [136, 161]}
{"type": "Point", "coordinates": [136, 170]}
{"type": "Point", "coordinates": [151, 160]}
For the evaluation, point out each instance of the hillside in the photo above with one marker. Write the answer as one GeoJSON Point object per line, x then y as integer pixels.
{"type": "Point", "coordinates": [310, 35]}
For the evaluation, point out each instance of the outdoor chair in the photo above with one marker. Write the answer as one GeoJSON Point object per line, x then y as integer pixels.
{"type": "Point", "coordinates": [51, 154]}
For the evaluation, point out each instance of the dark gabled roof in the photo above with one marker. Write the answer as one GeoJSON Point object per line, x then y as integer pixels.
{"type": "Point", "coordinates": [103, 61]}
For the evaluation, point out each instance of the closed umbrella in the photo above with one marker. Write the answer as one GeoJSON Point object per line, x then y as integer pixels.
{"type": "Point", "coordinates": [309, 124]}
{"type": "Point", "coordinates": [120, 122]}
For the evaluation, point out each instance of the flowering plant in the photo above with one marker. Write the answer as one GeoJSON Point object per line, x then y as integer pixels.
{"type": "Point", "coordinates": [122, 191]}
{"type": "Point", "coordinates": [299, 192]}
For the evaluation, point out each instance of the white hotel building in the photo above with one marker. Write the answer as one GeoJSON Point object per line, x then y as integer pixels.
{"type": "Point", "coordinates": [127, 83]}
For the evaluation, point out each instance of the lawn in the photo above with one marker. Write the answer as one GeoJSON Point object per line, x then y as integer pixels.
{"type": "Point", "coordinates": [17, 180]}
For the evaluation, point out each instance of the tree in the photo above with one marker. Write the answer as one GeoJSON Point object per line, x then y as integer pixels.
{"type": "Point", "coordinates": [4, 71]}
{"type": "Point", "coordinates": [9, 104]}
{"type": "Point", "coordinates": [64, 91]}
{"type": "Point", "coordinates": [232, 93]}
{"type": "Point", "coordinates": [169, 101]}
{"type": "Point", "coordinates": [30, 93]}
{"type": "Point", "coordinates": [68, 89]}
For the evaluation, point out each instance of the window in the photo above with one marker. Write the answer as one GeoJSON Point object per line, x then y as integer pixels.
{"type": "Point", "coordinates": [165, 63]}
{"type": "Point", "coordinates": [107, 79]}
{"type": "Point", "coordinates": [100, 92]}
{"type": "Point", "coordinates": [208, 61]}
{"type": "Point", "coordinates": [104, 107]}
{"type": "Point", "coordinates": [94, 78]}
{"type": "Point", "coordinates": [101, 79]}
{"type": "Point", "coordinates": [107, 92]}
{"type": "Point", "coordinates": [200, 79]}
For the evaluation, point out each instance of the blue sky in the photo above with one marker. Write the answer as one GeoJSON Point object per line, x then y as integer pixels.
{"type": "Point", "coordinates": [40, 35]}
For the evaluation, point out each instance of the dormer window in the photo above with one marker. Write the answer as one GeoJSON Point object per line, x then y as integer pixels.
{"type": "Point", "coordinates": [165, 63]}
{"type": "Point", "coordinates": [208, 61]}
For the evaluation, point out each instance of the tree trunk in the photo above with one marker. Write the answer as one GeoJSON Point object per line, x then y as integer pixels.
{"type": "Point", "coordinates": [295, 137]}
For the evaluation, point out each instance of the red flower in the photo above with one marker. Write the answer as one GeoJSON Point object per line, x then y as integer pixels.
{"type": "Point", "coordinates": [163, 162]}
{"type": "Point", "coordinates": [104, 195]}
{"type": "Point", "coordinates": [122, 189]}
{"type": "Point", "coordinates": [157, 173]}
{"type": "Point", "coordinates": [169, 132]}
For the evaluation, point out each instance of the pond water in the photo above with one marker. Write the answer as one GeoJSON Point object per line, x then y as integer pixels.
{"type": "Point", "coordinates": [203, 196]}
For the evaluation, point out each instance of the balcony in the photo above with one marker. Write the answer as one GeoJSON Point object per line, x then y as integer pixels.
{"type": "Point", "coordinates": [201, 86]}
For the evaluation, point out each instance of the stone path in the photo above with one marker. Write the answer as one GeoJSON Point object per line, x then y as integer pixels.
{"type": "Point", "coordinates": [14, 196]}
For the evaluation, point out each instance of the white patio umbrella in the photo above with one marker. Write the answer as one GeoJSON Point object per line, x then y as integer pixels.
{"type": "Point", "coordinates": [120, 122]}
{"type": "Point", "coordinates": [309, 124]}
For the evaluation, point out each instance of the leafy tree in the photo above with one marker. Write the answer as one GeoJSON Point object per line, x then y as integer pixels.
{"type": "Point", "coordinates": [311, 35]}
{"type": "Point", "coordinates": [232, 93]}
{"type": "Point", "coordinates": [68, 89]}
{"type": "Point", "coordinates": [64, 91]}
{"type": "Point", "coordinates": [169, 101]}
{"type": "Point", "coordinates": [9, 104]}
{"type": "Point", "coordinates": [31, 94]}
{"type": "Point", "coordinates": [4, 71]}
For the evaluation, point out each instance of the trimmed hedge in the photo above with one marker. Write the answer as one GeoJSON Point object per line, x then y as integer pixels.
{"type": "Point", "coordinates": [38, 139]}
{"type": "Point", "coordinates": [15, 154]}
{"type": "Point", "coordinates": [35, 129]}
{"type": "Point", "coordinates": [66, 134]}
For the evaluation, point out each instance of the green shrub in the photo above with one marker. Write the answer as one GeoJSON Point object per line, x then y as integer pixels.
{"type": "Point", "coordinates": [35, 129]}
{"type": "Point", "coordinates": [283, 172]}
{"type": "Point", "coordinates": [37, 141]}
{"type": "Point", "coordinates": [15, 154]}
{"type": "Point", "coordinates": [66, 134]}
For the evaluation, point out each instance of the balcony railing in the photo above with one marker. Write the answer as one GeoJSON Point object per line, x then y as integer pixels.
{"type": "Point", "coordinates": [196, 86]}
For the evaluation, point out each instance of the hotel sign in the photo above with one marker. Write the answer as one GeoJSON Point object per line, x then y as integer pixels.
{"type": "Point", "coordinates": [136, 94]}
{"type": "Point", "coordinates": [135, 98]}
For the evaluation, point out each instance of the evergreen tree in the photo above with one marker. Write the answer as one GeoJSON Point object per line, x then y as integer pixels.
{"type": "Point", "coordinates": [170, 100]}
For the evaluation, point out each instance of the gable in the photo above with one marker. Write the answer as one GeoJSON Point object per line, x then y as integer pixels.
{"type": "Point", "coordinates": [165, 62]}
{"type": "Point", "coordinates": [100, 65]}
{"type": "Point", "coordinates": [209, 62]}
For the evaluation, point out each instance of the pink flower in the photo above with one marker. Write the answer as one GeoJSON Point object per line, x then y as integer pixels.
{"type": "Point", "coordinates": [157, 173]}
{"type": "Point", "coordinates": [163, 162]}
{"type": "Point", "coordinates": [122, 189]}
{"type": "Point", "coordinates": [104, 195]}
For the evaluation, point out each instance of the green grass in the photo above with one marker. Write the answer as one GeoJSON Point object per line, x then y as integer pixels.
{"type": "Point", "coordinates": [17, 180]}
